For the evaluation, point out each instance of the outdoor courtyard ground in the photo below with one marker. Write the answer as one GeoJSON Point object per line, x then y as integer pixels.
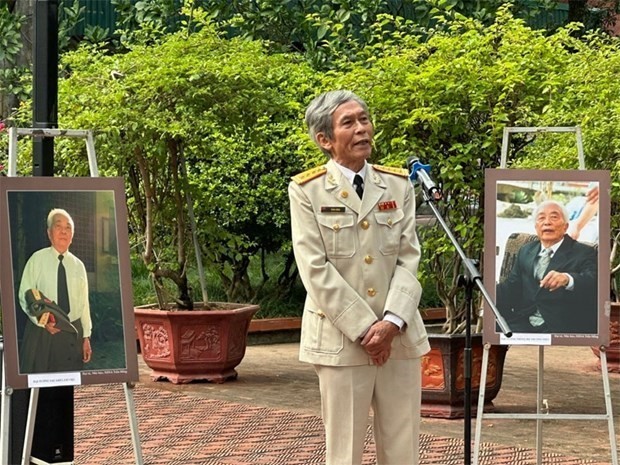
{"type": "Point", "coordinates": [271, 415]}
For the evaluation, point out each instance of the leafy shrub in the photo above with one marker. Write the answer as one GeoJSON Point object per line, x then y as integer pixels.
{"type": "Point", "coordinates": [447, 101]}
{"type": "Point", "coordinates": [193, 117]}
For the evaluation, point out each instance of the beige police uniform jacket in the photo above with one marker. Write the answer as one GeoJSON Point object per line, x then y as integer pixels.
{"type": "Point", "coordinates": [357, 259]}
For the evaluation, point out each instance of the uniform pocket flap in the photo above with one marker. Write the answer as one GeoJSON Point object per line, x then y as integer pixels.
{"type": "Point", "coordinates": [389, 218]}
{"type": "Point", "coordinates": [336, 222]}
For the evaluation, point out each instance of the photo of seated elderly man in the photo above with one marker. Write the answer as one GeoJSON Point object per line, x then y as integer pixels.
{"type": "Point", "coordinates": [552, 287]}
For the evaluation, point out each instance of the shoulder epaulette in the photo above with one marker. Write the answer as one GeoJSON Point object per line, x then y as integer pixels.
{"type": "Point", "coordinates": [392, 170]}
{"type": "Point", "coordinates": [309, 175]}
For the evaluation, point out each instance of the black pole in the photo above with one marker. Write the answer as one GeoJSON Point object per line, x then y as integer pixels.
{"type": "Point", "coordinates": [45, 85]}
{"type": "Point", "coordinates": [53, 432]}
{"type": "Point", "coordinates": [467, 282]}
{"type": "Point", "coordinates": [472, 278]}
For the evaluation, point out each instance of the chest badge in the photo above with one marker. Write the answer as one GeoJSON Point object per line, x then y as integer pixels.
{"type": "Point", "coordinates": [387, 205]}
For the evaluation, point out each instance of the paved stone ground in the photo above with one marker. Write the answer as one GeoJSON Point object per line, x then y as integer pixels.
{"type": "Point", "coordinates": [270, 415]}
{"type": "Point", "coordinates": [184, 429]}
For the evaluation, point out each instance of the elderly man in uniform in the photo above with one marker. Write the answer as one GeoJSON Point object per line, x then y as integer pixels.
{"type": "Point", "coordinates": [54, 295]}
{"type": "Point", "coordinates": [353, 229]}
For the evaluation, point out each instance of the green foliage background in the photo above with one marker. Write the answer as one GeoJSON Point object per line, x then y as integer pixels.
{"type": "Point", "coordinates": [234, 108]}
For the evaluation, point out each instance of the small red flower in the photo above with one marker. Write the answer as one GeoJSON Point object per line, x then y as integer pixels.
{"type": "Point", "coordinates": [2, 126]}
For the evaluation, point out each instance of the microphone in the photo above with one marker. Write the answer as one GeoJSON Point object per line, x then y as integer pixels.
{"type": "Point", "coordinates": [420, 173]}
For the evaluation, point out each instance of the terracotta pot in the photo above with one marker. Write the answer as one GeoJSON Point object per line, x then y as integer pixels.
{"type": "Point", "coordinates": [613, 349]}
{"type": "Point", "coordinates": [184, 346]}
{"type": "Point", "coordinates": [433, 314]}
{"type": "Point", "coordinates": [443, 382]}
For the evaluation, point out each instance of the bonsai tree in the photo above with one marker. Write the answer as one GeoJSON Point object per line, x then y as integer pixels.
{"type": "Point", "coordinates": [199, 127]}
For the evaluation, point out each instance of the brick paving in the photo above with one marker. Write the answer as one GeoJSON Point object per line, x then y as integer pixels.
{"type": "Point", "coordinates": [176, 428]}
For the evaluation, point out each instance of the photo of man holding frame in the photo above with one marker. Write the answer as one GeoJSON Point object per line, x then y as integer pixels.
{"type": "Point", "coordinates": [53, 293]}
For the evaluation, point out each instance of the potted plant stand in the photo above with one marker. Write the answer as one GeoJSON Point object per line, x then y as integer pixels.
{"type": "Point", "coordinates": [274, 330]}
{"type": "Point", "coordinates": [613, 349]}
{"type": "Point", "coordinates": [443, 381]}
{"type": "Point", "coordinates": [187, 345]}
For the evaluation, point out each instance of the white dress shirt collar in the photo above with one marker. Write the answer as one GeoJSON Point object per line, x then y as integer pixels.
{"type": "Point", "coordinates": [554, 248]}
{"type": "Point", "coordinates": [350, 174]}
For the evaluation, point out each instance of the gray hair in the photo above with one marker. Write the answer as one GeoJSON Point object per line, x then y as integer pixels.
{"type": "Point", "coordinates": [319, 114]}
{"type": "Point", "coordinates": [552, 202]}
{"type": "Point", "coordinates": [59, 211]}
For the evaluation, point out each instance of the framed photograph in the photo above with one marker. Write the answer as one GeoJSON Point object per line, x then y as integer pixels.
{"type": "Point", "coordinates": [67, 303]}
{"type": "Point", "coordinates": [546, 259]}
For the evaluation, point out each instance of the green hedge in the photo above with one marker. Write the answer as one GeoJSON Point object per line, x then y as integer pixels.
{"type": "Point", "coordinates": [235, 110]}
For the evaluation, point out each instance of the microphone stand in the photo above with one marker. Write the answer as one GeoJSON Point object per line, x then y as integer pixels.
{"type": "Point", "coordinates": [471, 278]}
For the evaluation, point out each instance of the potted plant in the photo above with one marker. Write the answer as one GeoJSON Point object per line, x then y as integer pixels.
{"type": "Point", "coordinates": [189, 120]}
{"type": "Point", "coordinates": [444, 307]}
{"type": "Point", "coordinates": [179, 339]}
{"type": "Point", "coordinates": [613, 348]}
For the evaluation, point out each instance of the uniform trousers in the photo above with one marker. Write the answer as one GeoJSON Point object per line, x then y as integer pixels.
{"type": "Point", "coordinates": [393, 390]}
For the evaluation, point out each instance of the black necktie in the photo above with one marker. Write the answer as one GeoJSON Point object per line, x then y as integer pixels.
{"type": "Point", "coordinates": [63, 292]}
{"type": "Point", "coordinates": [358, 183]}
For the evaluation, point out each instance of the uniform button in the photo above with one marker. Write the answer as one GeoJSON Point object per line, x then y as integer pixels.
{"type": "Point", "coordinates": [320, 314]}
{"type": "Point", "coordinates": [389, 221]}
{"type": "Point", "coordinates": [344, 194]}
{"type": "Point", "coordinates": [368, 259]}
{"type": "Point", "coordinates": [371, 292]}
{"type": "Point", "coordinates": [336, 227]}
{"type": "Point", "coordinates": [365, 224]}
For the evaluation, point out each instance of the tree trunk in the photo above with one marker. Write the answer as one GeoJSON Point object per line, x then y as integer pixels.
{"type": "Point", "coordinates": [577, 10]}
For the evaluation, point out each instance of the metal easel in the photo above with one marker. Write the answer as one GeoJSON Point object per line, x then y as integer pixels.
{"type": "Point", "coordinates": [540, 414]}
{"type": "Point", "coordinates": [34, 395]}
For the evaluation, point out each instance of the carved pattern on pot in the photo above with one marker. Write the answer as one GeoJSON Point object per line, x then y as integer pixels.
{"type": "Point", "coordinates": [433, 376]}
{"type": "Point", "coordinates": [476, 364]}
{"type": "Point", "coordinates": [201, 343]}
{"type": "Point", "coordinates": [156, 341]}
{"type": "Point", "coordinates": [432, 370]}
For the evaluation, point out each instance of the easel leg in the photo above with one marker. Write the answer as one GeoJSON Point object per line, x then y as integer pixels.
{"type": "Point", "coordinates": [5, 408]}
{"type": "Point", "coordinates": [610, 416]}
{"type": "Point", "coordinates": [539, 404]}
{"type": "Point", "coordinates": [133, 423]}
{"type": "Point", "coordinates": [542, 414]}
{"type": "Point", "coordinates": [481, 392]}
{"type": "Point", "coordinates": [27, 458]}
{"type": "Point", "coordinates": [30, 422]}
